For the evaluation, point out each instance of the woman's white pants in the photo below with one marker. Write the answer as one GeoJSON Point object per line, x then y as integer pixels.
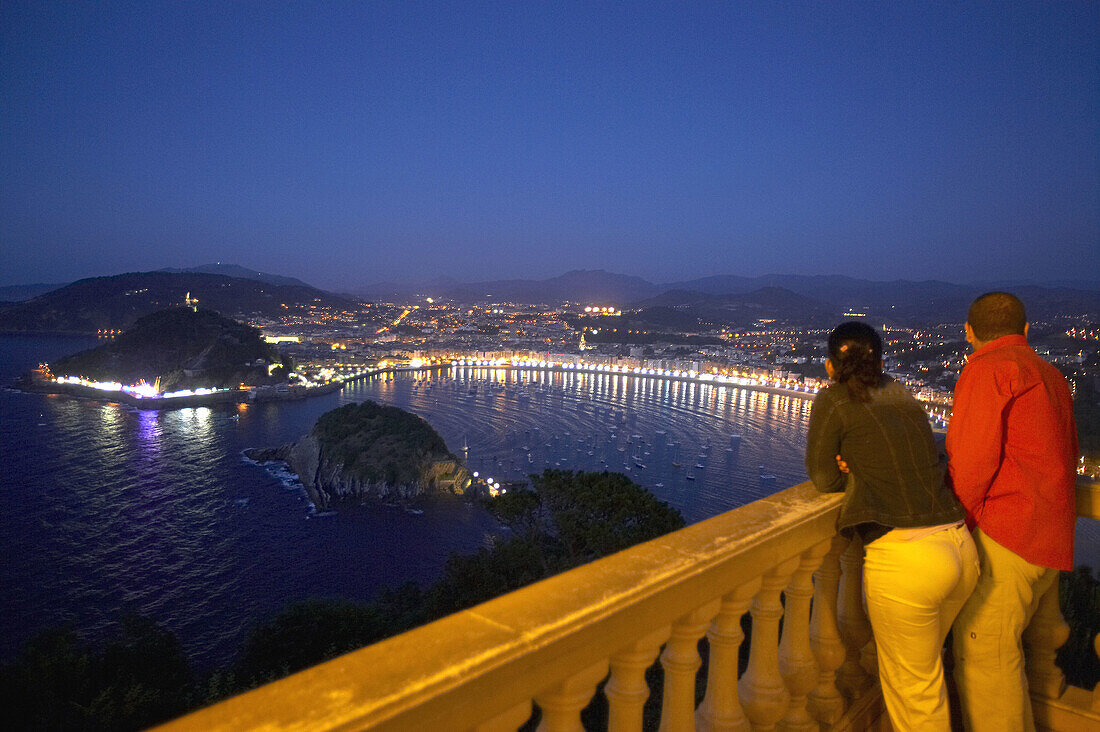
{"type": "Point", "coordinates": [913, 590]}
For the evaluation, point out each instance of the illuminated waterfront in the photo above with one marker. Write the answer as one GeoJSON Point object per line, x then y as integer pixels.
{"type": "Point", "coordinates": [520, 421]}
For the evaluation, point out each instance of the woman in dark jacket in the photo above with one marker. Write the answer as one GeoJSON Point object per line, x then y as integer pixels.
{"type": "Point", "coordinates": [871, 439]}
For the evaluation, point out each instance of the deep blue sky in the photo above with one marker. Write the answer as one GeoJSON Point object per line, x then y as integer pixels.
{"type": "Point", "coordinates": [352, 143]}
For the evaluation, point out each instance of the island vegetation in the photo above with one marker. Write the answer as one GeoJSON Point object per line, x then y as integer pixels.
{"type": "Point", "coordinates": [370, 451]}
{"type": "Point", "coordinates": [376, 442]}
{"type": "Point", "coordinates": [181, 348]}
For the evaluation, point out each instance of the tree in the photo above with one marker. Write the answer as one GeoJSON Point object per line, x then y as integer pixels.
{"type": "Point", "coordinates": [306, 634]}
{"type": "Point", "coordinates": [596, 514]}
{"type": "Point", "coordinates": [1079, 593]}
{"type": "Point", "coordinates": [140, 678]}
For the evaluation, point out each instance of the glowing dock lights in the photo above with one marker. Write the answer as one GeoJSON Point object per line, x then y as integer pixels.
{"type": "Point", "coordinates": [140, 390]}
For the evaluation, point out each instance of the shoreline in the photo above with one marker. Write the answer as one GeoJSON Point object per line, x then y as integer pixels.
{"type": "Point", "coordinates": [231, 396]}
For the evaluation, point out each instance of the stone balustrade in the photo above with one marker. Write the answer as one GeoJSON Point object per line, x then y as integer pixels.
{"type": "Point", "coordinates": [1056, 705]}
{"type": "Point", "coordinates": [552, 644]}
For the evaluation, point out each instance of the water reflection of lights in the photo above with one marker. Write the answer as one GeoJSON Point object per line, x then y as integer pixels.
{"type": "Point", "coordinates": [720, 391]}
{"type": "Point", "coordinates": [110, 419]}
{"type": "Point", "coordinates": [196, 424]}
{"type": "Point", "coordinates": [148, 430]}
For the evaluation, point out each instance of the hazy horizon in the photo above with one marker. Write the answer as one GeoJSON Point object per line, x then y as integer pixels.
{"type": "Point", "coordinates": [536, 277]}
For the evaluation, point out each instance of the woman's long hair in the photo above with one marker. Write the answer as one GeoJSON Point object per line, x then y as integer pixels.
{"type": "Point", "coordinates": [856, 352]}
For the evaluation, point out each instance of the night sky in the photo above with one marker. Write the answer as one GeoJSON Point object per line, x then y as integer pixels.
{"type": "Point", "coordinates": [350, 143]}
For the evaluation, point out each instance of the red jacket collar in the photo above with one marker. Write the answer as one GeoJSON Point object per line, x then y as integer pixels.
{"type": "Point", "coordinates": [1002, 342]}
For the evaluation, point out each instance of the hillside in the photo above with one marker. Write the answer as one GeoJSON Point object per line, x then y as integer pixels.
{"type": "Point", "coordinates": [810, 296]}
{"type": "Point", "coordinates": [117, 302]}
{"type": "Point", "coordinates": [239, 272]}
{"type": "Point", "coordinates": [594, 286]}
{"type": "Point", "coordinates": [19, 293]}
{"type": "Point", "coordinates": [734, 310]}
{"type": "Point", "coordinates": [184, 349]}
{"type": "Point", "coordinates": [905, 300]}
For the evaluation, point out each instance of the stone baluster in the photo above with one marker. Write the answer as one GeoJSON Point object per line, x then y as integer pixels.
{"type": "Point", "coordinates": [680, 661]}
{"type": "Point", "coordinates": [796, 658]}
{"type": "Point", "coordinates": [627, 690]}
{"type": "Point", "coordinates": [721, 709]}
{"type": "Point", "coordinates": [1096, 689]}
{"type": "Point", "coordinates": [562, 704]}
{"type": "Point", "coordinates": [508, 721]}
{"type": "Point", "coordinates": [825, 702]}
{"type": "Point", "coordinates": [763, 694]}
{"type": "Point", "coordinates": [1044, 636]}
{"type": "Point", "coordinates": [855, 629]}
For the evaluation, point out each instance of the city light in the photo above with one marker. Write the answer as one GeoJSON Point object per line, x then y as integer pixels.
{"type": "Point", "coordinates": [140, 390]}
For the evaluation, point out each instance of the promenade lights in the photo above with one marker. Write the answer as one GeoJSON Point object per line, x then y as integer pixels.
{"type": "Point", "coordinates": [142, 390]}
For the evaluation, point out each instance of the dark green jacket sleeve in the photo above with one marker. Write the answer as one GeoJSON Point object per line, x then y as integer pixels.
{"type": "Point", "coordinates": [823, 445]}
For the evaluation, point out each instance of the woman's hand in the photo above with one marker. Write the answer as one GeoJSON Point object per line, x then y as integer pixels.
{"type": "Point", "coordinates": [841, 465]}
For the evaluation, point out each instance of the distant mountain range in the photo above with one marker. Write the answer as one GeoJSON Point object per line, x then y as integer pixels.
{"type": "Point", "coordinates": [18, 293]}
{"type": "Point", "coordinates": [118, 301]}
{"type": "Point", "coordinates": [593, 286]}
{"type": "Point", "coordinates": [241, 273]}
{"type": "Point", "coordinates": [113, 302]}
{"type": "Point", "coordinates": [693, 310]}
{"type": "Point", "coordinates": [807, 296]}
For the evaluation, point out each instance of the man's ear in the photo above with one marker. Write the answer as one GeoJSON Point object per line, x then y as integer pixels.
{"type": "Point", "coordinates": [1026, 325]}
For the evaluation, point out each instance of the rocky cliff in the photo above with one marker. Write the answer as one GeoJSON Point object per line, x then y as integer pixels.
{"type": "Point", "coordinates": [368, 451]}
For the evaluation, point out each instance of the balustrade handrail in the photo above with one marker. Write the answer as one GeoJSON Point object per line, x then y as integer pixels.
{"type": "Point", "coordinates": [468, 667]}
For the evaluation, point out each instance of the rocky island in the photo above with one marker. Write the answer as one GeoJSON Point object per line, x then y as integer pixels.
{"type": "Point", "coordinates": [371, 451]}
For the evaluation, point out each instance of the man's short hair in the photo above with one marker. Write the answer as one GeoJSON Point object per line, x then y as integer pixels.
{"type": "Point", "coordinates": [996, 314]}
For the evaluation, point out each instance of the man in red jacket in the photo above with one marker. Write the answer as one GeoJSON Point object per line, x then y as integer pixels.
{"type": "Point", "coordinates": [1012, 450]}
